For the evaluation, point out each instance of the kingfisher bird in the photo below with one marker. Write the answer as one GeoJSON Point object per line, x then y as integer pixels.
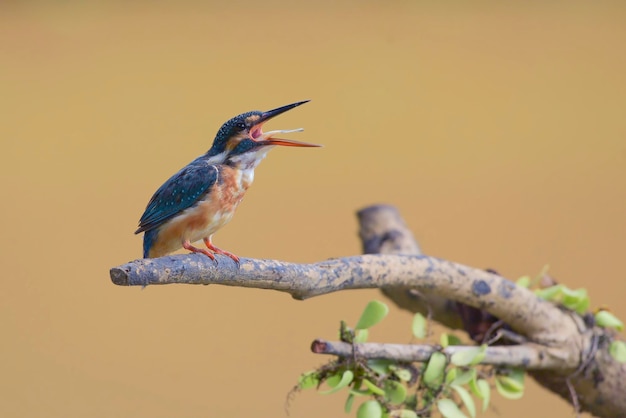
{"type": "Point", "coordinates": [202, 197]}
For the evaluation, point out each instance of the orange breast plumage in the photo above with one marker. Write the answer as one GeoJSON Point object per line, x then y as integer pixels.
{"type": "Point", "coordinates": [214, 210]}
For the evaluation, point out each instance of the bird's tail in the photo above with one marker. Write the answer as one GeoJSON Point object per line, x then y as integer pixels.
{"type": "Point", "coordinates": [149, 238]}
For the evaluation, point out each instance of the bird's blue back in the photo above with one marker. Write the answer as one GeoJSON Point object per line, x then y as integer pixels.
{"type": "Point", "coordinates": [181, 191]}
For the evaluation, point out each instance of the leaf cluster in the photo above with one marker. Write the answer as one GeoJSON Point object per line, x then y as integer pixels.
{"type": "Point", "coordinates": [390, 388]}
{"type": "Point", "coordinates": [447, 385]}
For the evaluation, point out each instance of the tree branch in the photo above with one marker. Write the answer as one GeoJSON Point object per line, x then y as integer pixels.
{"type": "Point", "coordinates": [519, 307]}
{"type": "Point", "coordinates": [427, 284]}
{"type": "Point", "coordinates": [383, 231]}
{"type": "Point", "coordinates": [598, 381]}
{"type": "Point", "coordinates": [529, 356]}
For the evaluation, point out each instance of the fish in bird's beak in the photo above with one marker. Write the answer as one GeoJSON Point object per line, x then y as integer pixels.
{"type": "Point", "coordinates": [267, 138]}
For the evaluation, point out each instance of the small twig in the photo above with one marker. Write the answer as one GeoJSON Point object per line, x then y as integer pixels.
{"type": "Point", "coordinates": [531, 357]}
{"type": "Point", "coordinates": [488, 339]}
{"type": "Point", "coordinates": [587, 357]}
{"type": "Point", "coordinates": [573, 397]}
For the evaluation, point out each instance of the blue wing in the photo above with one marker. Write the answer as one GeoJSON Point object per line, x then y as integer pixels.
{"type": "Point", "coordinates": [178, 193]}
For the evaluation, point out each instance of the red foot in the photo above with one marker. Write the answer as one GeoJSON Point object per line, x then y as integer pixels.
{"type": "Point", "coordinates": [216, 250]}
{"type": "Point", "coordinates": [187, 246]}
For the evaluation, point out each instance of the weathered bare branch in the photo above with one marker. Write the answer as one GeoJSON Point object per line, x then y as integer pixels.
{"type": "Point", "coordinates": [383, 231]}
{"type": "Point", "coordinates": [520, 308]}
{"type": "Point", "coordinates": [599, 381]}
{"type": "Point", "coordinates": [577, 352]}
{"type": "Point", "coordinates": [529, 356]}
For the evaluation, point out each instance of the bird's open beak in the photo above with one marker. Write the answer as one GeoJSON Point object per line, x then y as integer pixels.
{"type": "Point", "coordinates": [266, 138]}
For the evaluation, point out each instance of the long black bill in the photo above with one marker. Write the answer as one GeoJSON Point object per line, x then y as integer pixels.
{"type": "Point", "coordinates": [275, 112]}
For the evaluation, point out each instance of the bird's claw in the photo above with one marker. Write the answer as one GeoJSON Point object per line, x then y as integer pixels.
{"type": "Point", "coordinates": [217, 250]}
{"type": "Point", "coordinates": [231, 256]}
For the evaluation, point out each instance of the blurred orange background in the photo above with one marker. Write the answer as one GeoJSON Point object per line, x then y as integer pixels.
{"type": "Point", "coordinates": [498, 131]}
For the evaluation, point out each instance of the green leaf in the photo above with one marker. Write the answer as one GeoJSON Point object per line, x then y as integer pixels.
{"type": "Point", "coordinates": [464, 378]}
{"type": "Point", "coordinates": [361, 336]}
{"type": "Point", "coordinates": [481, 389]}
{"type": "Point", "coordinates": [348, 405]}
{"type": "Point", "coordinates": [333, 380]}
{"type": "Point", "coordinates": [617, 349]}
{"type": "Point", "coordinates": [469, 356]}
{"type": "Point", "coordinates": [433, 375]}
{"type": "Point", "coordinates": [484, 392]}
{"type": "Point", "coordinates": [473, 385]}
{"type": "Point", "coordinates": [606, 319]}
{"type": "Point", "coordinates": [449, 339]}
{"type": "Point", "coordinates": [395, 392]}
{"type": "Point", "coordinates": [582, 306]}
{"type": "Point", "coordinates": [370, 409]}
{"type": "Point", "coordinates": [550, 293]}
{"type": "Point", "coordinates": [506, 391]}
{"type": "Point", "coordinates": [466, 398]}
{"type": "Point", "coordinates": [360, 392]}
{"type": "Point", "coordinates": [481, 356]}
{"type": "Point", "coordinates": [373, 388]}
{"type": "Point", "coordinates": [308, 380]}
{"type": "Point", "coordinates": [374, 312]}
{"type": "Point", "coordinates": [419, 326]}
{"type": "Point", "coordinates": [380, 366]}
{"type": "Point", "coordinates": [448, 409]}
{"type": "Point", "coordinates": [452, 374]}
{"type": "Point", "coordinates": [402, 374]}
{"type": "Point", "coordinates": [517, 375]}
{"type": "Point", "coordinates": [511, 386]}
{"type": "Point", "coordinates": [523, 281]}
{"type": "Point", "coordinates": [346, 379]}
{"type": "Point", "coordinates": [444, 340]}
{"type": "Point", "coordinates": [454, 340]}
{"type": "Point", "coordinates": [575, 299]}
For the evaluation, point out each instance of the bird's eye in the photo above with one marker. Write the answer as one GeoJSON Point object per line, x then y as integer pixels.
{"type": "Point", "coordinates": [241, 126]}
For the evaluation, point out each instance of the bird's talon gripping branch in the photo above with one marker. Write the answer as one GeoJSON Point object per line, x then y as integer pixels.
{"type": "Point", "coordinates": [210, 246]}
{"type": "Point", "coordinates": [187, 246]}
{"type": "Point", "coordinates": [203, 196]}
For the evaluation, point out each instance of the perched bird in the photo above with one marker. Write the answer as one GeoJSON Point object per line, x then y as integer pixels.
{"type": "Point", "coordinates": [202, 197]}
